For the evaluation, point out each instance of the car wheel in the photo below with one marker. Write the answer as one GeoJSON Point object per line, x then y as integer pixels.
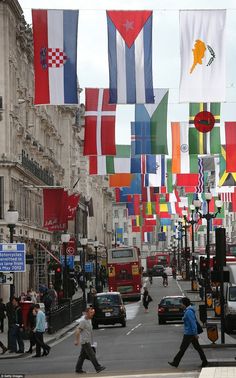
{"type": "Point", "coordinates": [123, 323]}
{"type": "Point", "coordinates": [161, 321]}
{"type": "Point", "coordinates": [95, 325]}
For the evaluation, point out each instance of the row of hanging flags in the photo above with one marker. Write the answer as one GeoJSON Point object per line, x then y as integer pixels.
{"type": "Point", "coordinates": [142, 174]}
{"type": "Point", "coordinates": [202, 52]}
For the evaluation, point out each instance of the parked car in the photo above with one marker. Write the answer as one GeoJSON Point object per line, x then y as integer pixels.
{"type": "Point", "coordinates": [170, 308]}
{"type": "Point", "coordinates": [157, 270]}
{"type": "Point", "coordinates": [109, 309]}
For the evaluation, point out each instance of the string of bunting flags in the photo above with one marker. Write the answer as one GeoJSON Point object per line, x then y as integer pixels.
{"type": "Point", "coordinates": [142, 173]}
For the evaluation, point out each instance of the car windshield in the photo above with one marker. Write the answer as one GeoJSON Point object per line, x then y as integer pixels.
{"type": "Point", "coordinates": [232, 293]}
{"type": "Point", "coordinates": [108, 300]}
{"type": "Point", "coordinates": [172, 301]}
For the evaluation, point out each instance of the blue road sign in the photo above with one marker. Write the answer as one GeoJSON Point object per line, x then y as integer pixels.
{"type": "Point", "coordinates": [12, 257]}
{"type": "Point", "coordinates": [89, 267]}
{"type": "Point", "coordinates": [70, 261]}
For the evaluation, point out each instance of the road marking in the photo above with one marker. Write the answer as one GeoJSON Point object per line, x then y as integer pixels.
{"type": "Point", "coordinates": [133, 329]}
{"type": "Point", "coordinates": [180, 287]}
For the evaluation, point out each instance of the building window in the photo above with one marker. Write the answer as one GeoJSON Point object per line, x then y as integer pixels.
{"type": "Point", "coordinates": [125, 213]}
{"type": "Point", "coordinates": [134, 241]}
{"type": "Point", "coordinates": [116, 213]}
{"type": "Point", "coordinates": [116, 226]}
{"type": "Point", "coordinates": [125, 227]}
{"type": "Point", "coordinates": [126, 241]}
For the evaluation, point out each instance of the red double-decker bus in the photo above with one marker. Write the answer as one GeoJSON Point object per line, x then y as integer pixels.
{"type": "Point", "coordinates": [124, 271]}
{"type": "Point", "coordinates": [159, 258]}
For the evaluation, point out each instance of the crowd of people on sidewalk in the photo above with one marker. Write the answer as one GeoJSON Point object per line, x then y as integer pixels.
{"type": "Point", "coordinates": [31, 328]}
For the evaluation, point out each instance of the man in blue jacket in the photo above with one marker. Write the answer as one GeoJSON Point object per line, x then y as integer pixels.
{"type": "Point", "coordinates": [190, 335]}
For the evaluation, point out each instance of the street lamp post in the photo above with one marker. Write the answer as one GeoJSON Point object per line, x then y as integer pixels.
{"type": "Point", "coordinates": [83, 242]}
{"type": "Point", "coordinates": [65, 238]}
{"type": "Point", "coordinates": [11, 218]}
{"type": "Point", "coordinates": [96, 244]}
{"type": "Point", "coordinates": [186, 257]}
{"type": "Point", "coordinates": [208, 216]}
{"type": "Point", "coordinates": [180, 230]}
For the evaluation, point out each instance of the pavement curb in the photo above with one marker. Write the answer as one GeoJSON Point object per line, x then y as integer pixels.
{"type": "Point", "coordinates": [48, 341]}
{"type": "Point", "coordinates": [218, 346]}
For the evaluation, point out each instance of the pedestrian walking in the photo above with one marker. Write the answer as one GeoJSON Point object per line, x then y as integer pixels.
{"type": "Point", "coordinates": [31, 323]}
{"type": "Point", "coordinates": [2, 314]}
{"type": "Point", "coordinates": [10, 310]}
{"type": "Point", "coordinates": [146, 299]}
{"type": "Point", "coordinates": [4, 348]}
{"type": "Point", "coordinates": [85, 338]}
{"type": "Point", "coordinates": [190, 335]}
{"type": "Point", "coordinates": [17, 328]}
{"type": "Point", "coordinates": [39, 331]}
{"type": "Point", "coordinates": [150, 276]}
{"type": "Point", "coordinates": [53, 295]}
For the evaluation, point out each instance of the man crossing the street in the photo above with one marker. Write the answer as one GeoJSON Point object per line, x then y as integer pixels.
{"type": "Point", "coordinates": [85, 338]}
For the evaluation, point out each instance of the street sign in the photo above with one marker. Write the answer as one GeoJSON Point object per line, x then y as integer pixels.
{"type": "Point", "coordinates": [12, 257]}
{"type": "Point", "coordinates": [6, 279]}
{"type": "Point", "coordinates": [70, 261]}
{"type": "Point", "coordinates": [89, 267]}
{"type": "Point", "coordinates": [204, 121]}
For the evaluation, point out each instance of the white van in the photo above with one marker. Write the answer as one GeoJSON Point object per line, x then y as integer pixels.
{"type": "Point", "coordinates": [230, 307]}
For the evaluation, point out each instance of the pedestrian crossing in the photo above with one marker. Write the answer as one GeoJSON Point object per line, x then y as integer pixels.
{"type": "Point", "coordinates": [189, 374]}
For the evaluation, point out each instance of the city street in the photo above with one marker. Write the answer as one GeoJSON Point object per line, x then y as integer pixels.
{"type": "Point", "coordinates": [143, 347]}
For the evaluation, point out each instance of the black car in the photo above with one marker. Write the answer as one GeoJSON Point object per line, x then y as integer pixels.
{"type": "Point", "coordinates": [157, 270]}
{"type": "Point", "coordinates": [109, 309]}
{"type": "Point", "coordinates": [170, 308]}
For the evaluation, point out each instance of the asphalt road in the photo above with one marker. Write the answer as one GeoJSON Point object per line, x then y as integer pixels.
{"type": "Point", "coordinates": [143, 347]}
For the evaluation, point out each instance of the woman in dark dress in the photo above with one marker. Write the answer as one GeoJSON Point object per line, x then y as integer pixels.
{"type": "Point", "coordinates": [146, 299]}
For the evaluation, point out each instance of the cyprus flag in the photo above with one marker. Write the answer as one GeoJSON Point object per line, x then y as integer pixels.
{"type": "Point", "coordinates": [202, 48]}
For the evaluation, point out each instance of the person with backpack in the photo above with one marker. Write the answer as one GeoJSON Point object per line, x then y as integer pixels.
{"type": "Point", "coordinates": [190, 335]}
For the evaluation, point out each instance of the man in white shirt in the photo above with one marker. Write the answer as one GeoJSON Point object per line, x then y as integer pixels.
{"type": "Point", "coordinates": [84, 337]}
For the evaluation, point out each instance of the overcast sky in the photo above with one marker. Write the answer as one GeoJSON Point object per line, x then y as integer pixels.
{"type": "Point", "coordinates": [93, 58]}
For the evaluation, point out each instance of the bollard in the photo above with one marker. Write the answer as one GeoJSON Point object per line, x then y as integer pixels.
{"type": "Point", "coordinates": [194, 285]}
{"type": "Point", "coordinates": [217, 308]}
{"type": "Point", "coordinates": [203, 313]}
{"type": "Point", "coordinates": [212, 332]}
{"type": "Point", "coordinates": [209, 300]}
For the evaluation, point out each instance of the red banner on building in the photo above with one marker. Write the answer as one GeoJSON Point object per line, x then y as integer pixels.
{"type": "Point", "coordinates": [73, 201]}
{"type": "Point", "coordinates": [55, 202]}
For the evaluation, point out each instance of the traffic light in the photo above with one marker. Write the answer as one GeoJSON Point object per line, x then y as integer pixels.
{"type": "Point", "coordinates": [203, 265]}
{"type": "Point", "coordinates": [215, 266]}
{"type": "Point", "coordinates": [187, 252]}
{"type": "Point", "coordinates": [58, 278]}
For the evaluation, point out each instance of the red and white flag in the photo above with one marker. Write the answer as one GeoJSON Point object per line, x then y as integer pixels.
{"type": "Point", "coordinates": [55, 56]}
{"type": "Point", "coordinates": [100, 117]}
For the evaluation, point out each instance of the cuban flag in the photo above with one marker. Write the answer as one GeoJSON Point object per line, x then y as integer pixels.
{"type": "Point", "coordinates": [55, 56]}
{"type": "Point", "coordinates": [130, 57]}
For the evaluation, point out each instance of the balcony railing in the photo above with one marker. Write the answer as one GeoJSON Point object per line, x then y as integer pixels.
{"type": "Point", "coordinates": [36, 170]}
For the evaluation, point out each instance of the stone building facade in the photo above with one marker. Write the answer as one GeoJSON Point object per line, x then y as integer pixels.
{"type": "Point", "coordinates": [39, 147]}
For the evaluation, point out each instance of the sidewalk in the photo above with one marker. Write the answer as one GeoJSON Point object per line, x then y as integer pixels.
{"type": "Point", "coordinates": [216, 366]}
{"type": "Point", "coordinates": [48, 338]}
